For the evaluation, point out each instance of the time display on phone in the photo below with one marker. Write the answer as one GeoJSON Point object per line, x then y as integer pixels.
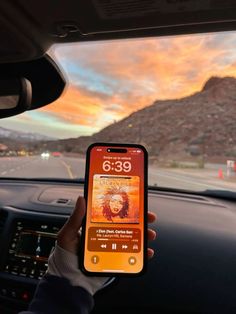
{"type": "Point", "coordinates": [117, 166]}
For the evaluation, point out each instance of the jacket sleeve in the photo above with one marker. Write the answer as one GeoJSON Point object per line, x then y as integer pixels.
{"type": "Point", "coordinates": [57, 295]}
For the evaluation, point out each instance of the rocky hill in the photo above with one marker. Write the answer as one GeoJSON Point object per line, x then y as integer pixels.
{"type": "Point", "coordinates": [201, 124]}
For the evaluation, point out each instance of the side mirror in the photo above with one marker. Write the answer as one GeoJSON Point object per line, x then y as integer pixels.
{"type": "Point", "coordinates": [15, 96]}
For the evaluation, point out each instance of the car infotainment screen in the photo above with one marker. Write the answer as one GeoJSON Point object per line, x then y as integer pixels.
{"type": "Point", "coordinates": [30, 246]}
{"type": "Point", "coordinates": [35, 244]}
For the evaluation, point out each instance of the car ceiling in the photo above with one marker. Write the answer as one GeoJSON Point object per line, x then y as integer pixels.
{"type": "Point", "coordinates": [29, 28]}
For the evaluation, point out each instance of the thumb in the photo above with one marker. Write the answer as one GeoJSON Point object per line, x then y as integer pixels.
{"type": "Point", "coordinates": [67, 237]}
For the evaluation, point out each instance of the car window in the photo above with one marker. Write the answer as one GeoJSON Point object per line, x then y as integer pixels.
{"type": "Point", "coordinates": [174, 95]}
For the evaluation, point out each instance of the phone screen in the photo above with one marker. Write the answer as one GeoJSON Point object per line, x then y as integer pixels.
{"type": "Point", "coordinates": [114, 237]}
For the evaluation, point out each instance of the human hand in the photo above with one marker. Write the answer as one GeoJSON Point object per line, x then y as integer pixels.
{"type": "Point", "coordinates": [63, 262]}
{"type": "Point", "coordinates": [68, 237]}
{"type": "Point", "coordinates": [151, 233]}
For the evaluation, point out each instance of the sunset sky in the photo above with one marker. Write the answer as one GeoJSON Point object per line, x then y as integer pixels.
{"type": "Point", "coordinates": [109, 80]}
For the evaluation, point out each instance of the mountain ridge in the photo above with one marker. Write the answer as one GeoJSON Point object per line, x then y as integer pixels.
{"type": "Point", "coordinates": [21, 135]}
{"type": "Point", "coordinates": [173, 125]}
{"type": "Point", "coordinates": [201, 124]}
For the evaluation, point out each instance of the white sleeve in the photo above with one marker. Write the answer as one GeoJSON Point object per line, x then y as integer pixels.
{"type": "Point", "coordinates": [62, 263]}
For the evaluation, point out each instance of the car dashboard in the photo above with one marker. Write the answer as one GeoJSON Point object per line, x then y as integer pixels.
{"type": "Point", "coordinates": [193, 270]}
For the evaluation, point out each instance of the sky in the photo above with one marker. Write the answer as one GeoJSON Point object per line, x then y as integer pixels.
{"type": "Point", "coordinates": [106, 81]}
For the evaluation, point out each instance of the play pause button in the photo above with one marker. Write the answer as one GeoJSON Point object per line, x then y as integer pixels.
{"type": "Point", "coordinates": [113, 246]}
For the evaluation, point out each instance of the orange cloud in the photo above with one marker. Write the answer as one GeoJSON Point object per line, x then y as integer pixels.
{"type": "Point", "coordinates": [74, 106]}
{"type": "Point", "coordinates": [79, 107]}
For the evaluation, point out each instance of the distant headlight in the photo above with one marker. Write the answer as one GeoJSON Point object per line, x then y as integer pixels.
{"type": "Point", "coordinates": [45, 155]}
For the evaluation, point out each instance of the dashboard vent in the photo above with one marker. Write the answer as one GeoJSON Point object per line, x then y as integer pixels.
{"type": "Point", "coordinates": [63, 201]}
{"type": "Point", "coordinates": [3, 218]}
{"type": "Point", "coordinates": [59, 196]}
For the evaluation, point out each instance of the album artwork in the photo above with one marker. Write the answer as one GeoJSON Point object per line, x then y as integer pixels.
{"type": "Point", "coordinates": [115, 199]}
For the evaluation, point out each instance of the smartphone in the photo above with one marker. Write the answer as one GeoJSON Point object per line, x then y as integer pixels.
{"type": "Point", "coordinates": [114, 232]}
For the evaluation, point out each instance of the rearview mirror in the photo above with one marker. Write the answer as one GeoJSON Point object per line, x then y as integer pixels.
{"type": "Point", "coordinates": [15, 96]}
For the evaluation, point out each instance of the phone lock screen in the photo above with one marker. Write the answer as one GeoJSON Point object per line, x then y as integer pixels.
{"type": "Point", "coordinates": [115, 227]}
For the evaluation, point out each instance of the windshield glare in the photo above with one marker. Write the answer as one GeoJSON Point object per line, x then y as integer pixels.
{"type": "Point", "coordinates": [174, 95]}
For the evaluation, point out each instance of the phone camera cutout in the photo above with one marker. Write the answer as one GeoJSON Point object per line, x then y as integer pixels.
{"type": "Point", "coordinates": [117, 150]}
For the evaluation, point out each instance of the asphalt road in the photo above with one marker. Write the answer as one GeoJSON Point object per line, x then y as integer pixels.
{"type": "Point", "coordinates": [37, 167]}
{"type": "Point", "coordinates": [72, 168]}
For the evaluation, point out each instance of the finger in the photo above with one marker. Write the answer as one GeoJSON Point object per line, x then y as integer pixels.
{"type": "Point", "coordinates": [75, 220]}
{"type": "Point", "coordinates": [68, 235]}
{"type": "Point", "coordinates": [151, 217]}
{"type": "Point", "coordinates": [150, 253]}
{"type": "Point", "coordinates": [151, 234]}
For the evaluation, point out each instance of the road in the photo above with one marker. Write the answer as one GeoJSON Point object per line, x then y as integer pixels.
{"type": "Point", "coordinates": [37, 167]}
{"type": "Point", "coordinates": [72, 168]}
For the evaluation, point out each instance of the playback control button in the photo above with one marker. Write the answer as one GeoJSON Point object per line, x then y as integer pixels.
{"type": "Point", "coordinates": [94, 259]}
{"type": "Point", "coordinates": [132, 260]}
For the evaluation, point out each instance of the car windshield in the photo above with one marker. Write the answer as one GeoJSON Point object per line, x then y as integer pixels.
{"type": "Point", "coordinates": [174, 95]}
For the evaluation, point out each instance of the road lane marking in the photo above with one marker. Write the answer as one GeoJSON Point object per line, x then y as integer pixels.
{"type": "Point", "coordinates": [4, 172]}
{"type": "Point", "coordinates": [68, 168]}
